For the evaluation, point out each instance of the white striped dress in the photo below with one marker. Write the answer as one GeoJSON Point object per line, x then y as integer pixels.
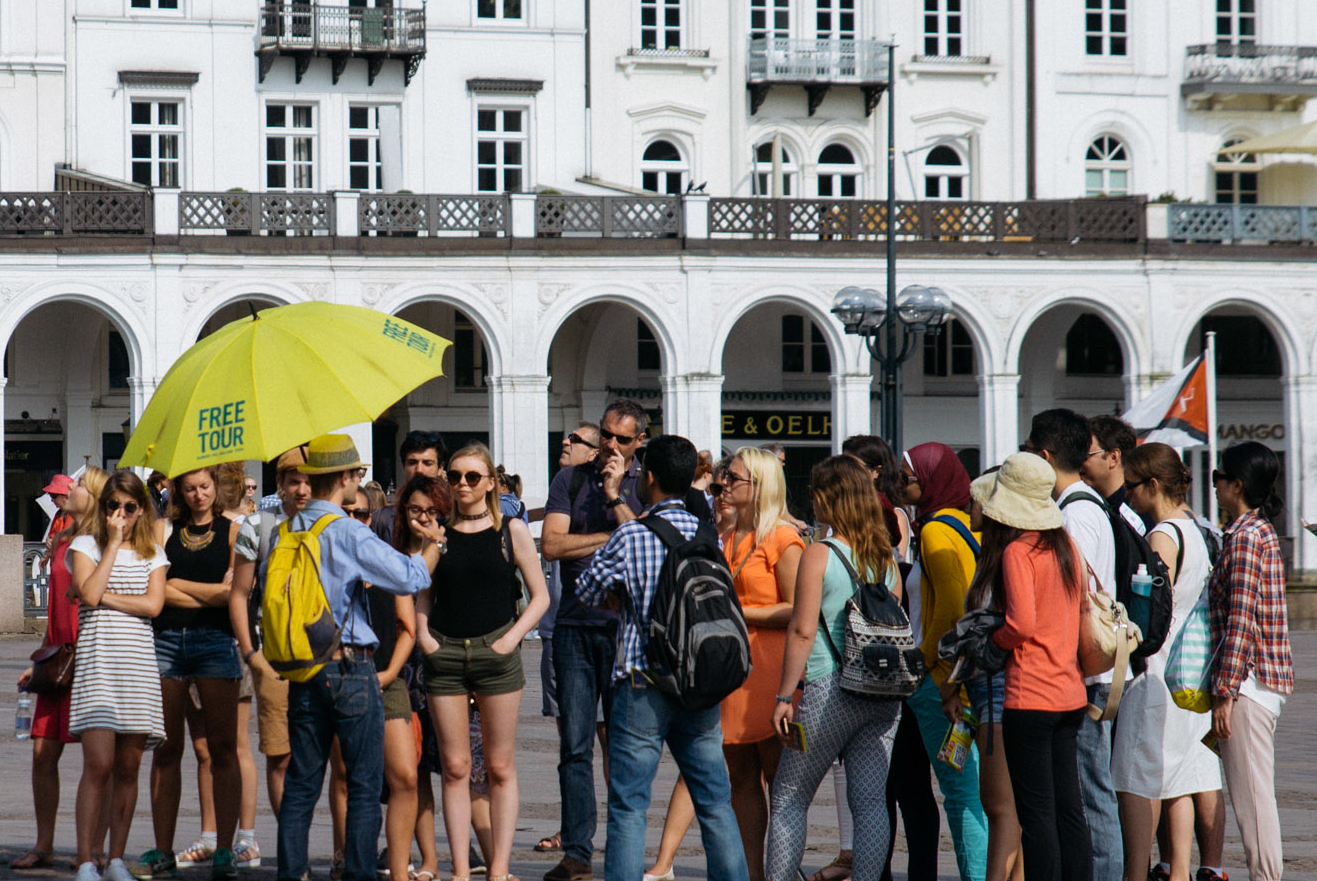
{"type": "Point", "coordinates": [116, 682]}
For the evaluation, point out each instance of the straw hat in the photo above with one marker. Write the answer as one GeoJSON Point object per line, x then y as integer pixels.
{"type": "Point", "coordinates": [1020, 494]}
{"type": "Point", "coordinates": [291, 460]}
{"type": "Point", "coordinates": [330, 454]}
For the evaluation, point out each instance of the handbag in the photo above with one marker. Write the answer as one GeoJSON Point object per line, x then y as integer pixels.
{"type": "Point", "coordinates": [52, 668]}
{"type": "Point", "coordinates": [882, 659]}
{"type": "Point", "coordinates": [1189, 664]}
{"type": "Point", "coordinates": [1106, 639]}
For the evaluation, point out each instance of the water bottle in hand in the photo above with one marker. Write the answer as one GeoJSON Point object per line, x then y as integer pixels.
{"type": "Point", "coordinates": [23, 715]}
{"type": "Point", "coordinates": [1140, 609]}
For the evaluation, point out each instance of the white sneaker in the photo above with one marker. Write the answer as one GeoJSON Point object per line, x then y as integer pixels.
{"type": "Point", "coordinates": [87, 872]}
{"type": "Point", "coordinates": [117, 870]}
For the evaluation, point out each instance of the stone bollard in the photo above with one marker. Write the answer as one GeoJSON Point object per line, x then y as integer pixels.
{"type": "Point", "coordinates": [11, 584]}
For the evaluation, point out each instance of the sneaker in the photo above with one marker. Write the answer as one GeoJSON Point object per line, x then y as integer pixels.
{"type": "Point", "coordinates": [477, 864]}
{"type": "Point", "coordinates": [197, 854]}
{"type": "Point", "coordinates": [246, 854]}
{"type": "Point", "coordinates": [1157, 873]}
{"type": "Point", "coordinates": [222, 867]}
{"type": "Point", "coordinates": [569, 869]}
{"type": "Point", "coordinates": [87, 872]}
{"type": "Point", "coordinates": [155, 864]}
{"type": "Point", "coordinates": [117, 870]}
{"type": "Point", "coordinates": [1206, 874]}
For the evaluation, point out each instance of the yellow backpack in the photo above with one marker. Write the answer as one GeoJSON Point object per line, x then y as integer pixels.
{"type": "Point", "coordinates": [297, 623]}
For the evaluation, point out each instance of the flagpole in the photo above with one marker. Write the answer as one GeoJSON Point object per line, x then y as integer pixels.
{"type": "Point", "coordinates": [1210, 355]}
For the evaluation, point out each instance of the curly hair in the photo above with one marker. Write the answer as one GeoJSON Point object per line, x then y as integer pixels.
{"type": "Point", "coordinates": [432, 488]}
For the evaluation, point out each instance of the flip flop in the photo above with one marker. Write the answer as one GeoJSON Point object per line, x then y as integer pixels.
{"type": "Point", "coordinates": [550, 843]}
{"type": "Point", "coordinates": [33, 859]}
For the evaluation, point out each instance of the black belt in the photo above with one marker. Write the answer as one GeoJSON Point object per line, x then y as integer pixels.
{"type": "Point", "coordinates": [354, 653]}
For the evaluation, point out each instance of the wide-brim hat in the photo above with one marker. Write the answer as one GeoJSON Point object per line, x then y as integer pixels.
{"type": "Point", "coordinates": [60, 485]}
{"type": "Point", "coordinates": [331, 453]}
{"type": "Point", "coordinates": [1020, 493]}
{"type": "Point", "coordinates": [291, 460]}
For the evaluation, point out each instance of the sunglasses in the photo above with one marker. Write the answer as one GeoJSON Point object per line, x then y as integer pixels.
{"type": "Point", "coordinates": [1130, 487]}
{"type": "Point", "coordinates": [249, 486]}
{"type": "Point", "coordinates": [1219, 476]}
{"type": "Point", "coordinates": [622, 439]}
{"type": "Point", "coordinates": [472, 478]}
{"type": "Point", "coordinates": [575, 438]}
{"type": "Point", "coordinates": [730, 480]}
{"type": "Point", "coordinates": [362, 514]}
{"type": "Point", "coordinates": [129, 508]}
{"type": "Point", "coordinates": [716, 489]}
{"type": "Point", "coordinates": [415, 511]}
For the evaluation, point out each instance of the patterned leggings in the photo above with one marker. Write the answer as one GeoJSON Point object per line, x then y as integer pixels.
{"type": "Point", "coordinates": [836, 722]}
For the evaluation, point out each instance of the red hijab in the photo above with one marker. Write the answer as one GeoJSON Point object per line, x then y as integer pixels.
{"type": "Point", "coordinates": [943, 480]}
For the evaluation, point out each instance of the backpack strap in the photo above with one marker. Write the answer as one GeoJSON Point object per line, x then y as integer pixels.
{"type": "Point", "coordinates": [1179, 550]}
{"type": "Point", "coordinates": [320, 524]}
{"type": "Point", "coordinates": [1086, 496]}
{"type": "Point", "coordinates": [669, 534]}
{"type": "Point", "coordinates": [965, 533]}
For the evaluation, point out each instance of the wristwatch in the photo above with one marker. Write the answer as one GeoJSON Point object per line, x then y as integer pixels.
{"type": "Point", "coordinates": [613, 503]}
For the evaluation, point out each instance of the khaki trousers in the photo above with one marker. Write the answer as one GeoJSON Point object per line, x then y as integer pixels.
{"type": "Point", "coordinates": [1249, 757]}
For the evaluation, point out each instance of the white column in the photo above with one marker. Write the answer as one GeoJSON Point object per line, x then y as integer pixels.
{"type": "Point", "coordinates": [852, 407]}
{"type": "Point", "coordinates": [692, 408]}
{"type": "Point", "coordinates": [519, 425]}
{"type": "Point", "coordinates": [999, 414]}
{"type": "Point", "coordinates": [1137, 386]}
{"type": "Point", "coordinates": [1300, 464]}
{"type": "Point", "coordinates": [80, 438]}
{"type": "Point", "coordinates": [4, 381]}
{"type": "Point", "coordinates": [139, 395]}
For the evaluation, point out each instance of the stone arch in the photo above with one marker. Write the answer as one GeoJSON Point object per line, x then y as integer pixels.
{"type": "Point", "coordinates": [845, 357]}
{"type": "Point", "coordinates": [1294, 361]}
{"type": "Point", "coordinates": [136, 337]}
{"type": "Point", "coordinates": [225, 295]}
{"type": "Point", "coordinates": [471, 303]}
{"type": "Point", "coordinates": [642, 302]}
{"type": "Point", "coordinates": [966, 309]}
{"type": "Point", "coordinates": [1132, 343]}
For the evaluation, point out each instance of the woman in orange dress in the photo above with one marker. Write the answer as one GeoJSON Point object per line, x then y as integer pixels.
{"type": "Point", "coordinates": [763, 551]}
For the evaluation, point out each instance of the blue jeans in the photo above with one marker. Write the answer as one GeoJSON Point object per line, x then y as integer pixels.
{"type": "Point", "coordinates": [1099, 793]}
{"type": "Point", "coordinates": [960, 789]}
{"type": "Point", "coordinates": [344, 699]}
{"type": "Point", "coordinates": [583, 662]}
{"type": "Point", "coordinates": [643, 719]}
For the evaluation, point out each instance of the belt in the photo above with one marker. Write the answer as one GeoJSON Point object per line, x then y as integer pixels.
{"type": "Point", "coordinates": [354, 653]}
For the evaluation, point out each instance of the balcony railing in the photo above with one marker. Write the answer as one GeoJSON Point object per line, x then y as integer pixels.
{"type": "Point", "coordinates": [1248, 68]}
{"type": "Point", "coordinates": [75, 213]}
{"type": "Point", "coordinates": [608, 216]}
{"type": "Point", "coordinates": [341, 32]}
{"type": "Point", "coordinates": [257, 213]}
{"type": "Point", "coordinates": [818, 65]}
{"type": "Point", "coordinates": [430, 215]}
{"type": "Point", "coordinates": [1242, 224]}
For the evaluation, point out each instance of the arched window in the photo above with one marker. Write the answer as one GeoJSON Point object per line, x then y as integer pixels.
{"type": "Point", "coordinates": [764, 170]}
{"type": "Point", "coordinates": [945, 174]}
{"type": "Point", "coordinates": [1235, 175]}
{"type": "Point", "coordinates": [662, 170]}
{"type": "Point", "coordinates": [839, 173]}
{"type": "Point", "coordinates": [1091, 348]}
{"type": "Point", "coordinates": [1107, 168]}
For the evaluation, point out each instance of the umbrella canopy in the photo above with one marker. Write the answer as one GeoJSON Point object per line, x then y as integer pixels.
{"type": "Point", "coordinates": [1296, 139]}
{"type": "Point", "coordinates": [262, 385]}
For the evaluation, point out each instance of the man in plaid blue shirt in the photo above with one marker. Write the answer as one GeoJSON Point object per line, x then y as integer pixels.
{"type": "Point", "coordinates": [643, 717]}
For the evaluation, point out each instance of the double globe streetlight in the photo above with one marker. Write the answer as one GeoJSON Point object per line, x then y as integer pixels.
{"type": "Point", "coordinates": [919, 310]}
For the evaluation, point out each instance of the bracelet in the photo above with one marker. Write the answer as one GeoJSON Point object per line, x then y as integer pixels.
{"type": "Point", "coordinates": [247, 658]}
{"type": "Point", "coordinates": [442, 546]}
{"type": "Point", "coordinates": [784, 699]}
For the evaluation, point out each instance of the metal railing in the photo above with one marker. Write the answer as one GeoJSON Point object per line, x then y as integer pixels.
{"type": "Point", "coordinates": [36, 580]}
{"type": "Point", "coordinates": [1250, 64]}
{"type": "Point", "coordinates": [257, 213]}
{"type": "Point", "coordinates": [1240, 224]}
{"type": "Point", "coordinates": [76, 213]}
{"type": "Point", "coordinates": [431, 215]}
{"type": "Point", "coordinates": [837, 62]}
{"type": "Point", "coordinates": [312, 27]}
{"type": "Point", "coordinates": [608, 216]}
{"type": "Point", "coordinates": [1098, 220]}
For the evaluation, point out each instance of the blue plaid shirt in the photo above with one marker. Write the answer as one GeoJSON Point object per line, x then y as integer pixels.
{"type": "Point", "coordinates": [631, 561]}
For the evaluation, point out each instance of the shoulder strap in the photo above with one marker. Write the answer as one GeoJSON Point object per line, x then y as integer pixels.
{"type": "Point", "coordinates": [266, 521]}
{"type": "Point", "coordinates": [1086, 496]}
{"type": "Point", "coordinates": [505, 541]}
{"type": "Point", "coordinates": [1179, 548]}
{"type": "Point", "coordinates": [845, 561]}
{"type": "Point", "coordinates": [670, 535]}
{"type": "Point", "coordinates": [948, 520]}
{"type": "Point", "coordinates": [320, 524]}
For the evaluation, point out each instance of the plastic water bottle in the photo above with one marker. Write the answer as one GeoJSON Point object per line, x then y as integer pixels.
{"type": "Point", "coordinates": [1141, 598]}
{"type": "Point", "coordinates": [23, 715]}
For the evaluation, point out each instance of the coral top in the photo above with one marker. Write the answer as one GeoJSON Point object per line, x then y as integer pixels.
{"type": "Point", "coordinates": [1041, 631]}
{"type": "Point", "coordinates": [50, 719]}
{"type": "Point", "coordinates": [747, 713]}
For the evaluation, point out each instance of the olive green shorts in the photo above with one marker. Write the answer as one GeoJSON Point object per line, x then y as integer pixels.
{"type": "Point", "coordinates": [397, 705]}
{"type": "Point", "coordinates": [469, 665]}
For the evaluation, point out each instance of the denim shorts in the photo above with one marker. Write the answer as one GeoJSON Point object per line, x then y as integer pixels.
{"type": "Point", "coordinates": [197, 653]}
{"type": "Point", "coordinates": [978, 696]}
{"type": "Point", "coordinates": [466, 665]}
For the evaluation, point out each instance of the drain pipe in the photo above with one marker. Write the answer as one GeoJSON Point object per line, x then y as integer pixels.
{"type": "Point", "coordinates": [589, 141]}
{"type": "Point", "coordinates": [1030, 76]}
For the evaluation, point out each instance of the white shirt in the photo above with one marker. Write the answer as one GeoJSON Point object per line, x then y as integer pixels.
{"type": "Point", "coordinates": [1088, 525]}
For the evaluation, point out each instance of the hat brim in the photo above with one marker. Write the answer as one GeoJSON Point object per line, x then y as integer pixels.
{"type": "Point", "coordinates": [333, 469]}
{"type": "Point", "coordinates": [1012, 509]}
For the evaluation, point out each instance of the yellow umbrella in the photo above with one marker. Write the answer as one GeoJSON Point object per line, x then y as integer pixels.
{"type": "Point", "coordinates": [1296, 139]}
{"type": "Point", "coordinates": [262, 385]}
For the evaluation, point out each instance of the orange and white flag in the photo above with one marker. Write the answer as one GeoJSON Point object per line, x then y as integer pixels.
{"type": "Point", "coordinates": [1177, 412]}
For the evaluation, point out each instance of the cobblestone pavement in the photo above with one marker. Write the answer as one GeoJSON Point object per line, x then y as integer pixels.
{"type": "Point", "coordinates": [537, 760]}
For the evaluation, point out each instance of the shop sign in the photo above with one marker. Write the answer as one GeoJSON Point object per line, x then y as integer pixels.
{"type": "Point", "coordinates": [34, 455]}
{"type": "Point", "coordinates": [769, 425]}
{"type": "Point", "coordinates": [1256, 431]}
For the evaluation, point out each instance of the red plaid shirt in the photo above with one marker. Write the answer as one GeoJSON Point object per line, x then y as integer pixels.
{"type": "Point", "coordinates": [1247, 604]}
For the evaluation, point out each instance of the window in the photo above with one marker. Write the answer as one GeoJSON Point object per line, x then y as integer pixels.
{"type": "Point", "coordinates": [834, 19]}
{"type": "Point", "coordinates": [662, 169]}
{"type": "Point", "coordinates": [469, 364]}
{"type": "Point", "coordinates": [839, 174]}
{"type": "Point", "coordinates": [763, 179]}
{"type": "Point", "coordinates": [154, 4]}
{"type": "Point", "coordinates": [1244, 345]}
{"type": "Point", "coordinates": [365, 171]}
{"type": "Point", "coordinates": [944, 28]}
{"type": "Point", "coordinates": [1106, 168]}
{"type": "Point", "coordinates": [1091, 348]}
{"type": "Point", "coordinates": [500, 150]}
{"type": "Point", "coordinates": [499, 10]}
{"type": "Point", "coordinates": [117, 361]}
{"type": "Point", "coordinates": [1236, 21]}
{"type": "Point", "coordinates": [156, 140]}
{"type": "Point", "coordinates": [1105, 29]}
{"type": "Point", "coordinates": [647, 348]}
{"type": "Point", "coordinates": [290, 146]}
{"type": "Point", "coordinates": [770, 18]}
{"type": "Point", "coordinates": [945, 174]}
{"type": "Point", "coordinates": [950, 352]}
{"type": "Point", "coordinates": [796, 354]}
{"type": "Point", "coordinates": [1235, 175]}
{"type": "Point", "coordinates": [660, 24]}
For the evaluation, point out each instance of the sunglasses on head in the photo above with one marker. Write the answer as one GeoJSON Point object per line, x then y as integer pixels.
{"type": "Point", "coordinates": [472, 478]}
{"type": "Point", "coordinates": [129, 508]}
{"type": "Point", "coordinates": [622, 439]}
{"type": "Point", "coordinates": [362, 514]}
{"type": "Point", "coordinates": [575, 438]}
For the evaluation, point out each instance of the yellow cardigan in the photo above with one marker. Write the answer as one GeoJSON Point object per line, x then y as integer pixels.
{"type": "Point", "coordinates": [948, 568]}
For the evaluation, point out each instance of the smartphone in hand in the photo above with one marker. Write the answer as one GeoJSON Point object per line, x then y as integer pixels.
{"type": "Point", "coordinates": [795, 732]}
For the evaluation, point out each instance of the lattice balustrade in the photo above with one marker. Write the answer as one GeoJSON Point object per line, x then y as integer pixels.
{"type": "Point", "coordinates": [1109, 220]}
{"type": "Point", "coordinates": [1269, 223]}
{"type": "Point", "coordinates": [642, 216]}
{"type": "Point", "coordinates": [1201, 223]}
{"type": "Point", "coordinates": [1042, 221]}
{"type": "Point", "coordinates": [569, 214]}
{"type": "Point", "coordinates": [393, 212]}
{"type": "Point", "coordinates": [752, 216]}
{"type": "Point", "coordinates": [31, 212]}
{"type": "Point", "coordinates": [1242, 223]}
{"type": "Point", "coordinates": [226, 211]}
{"type": "Point", "coordinates": [486, 214]}
{"type": "Point", "coordinates": [304, 213]}
{"type": "Point", "coordinates": [109, 212]}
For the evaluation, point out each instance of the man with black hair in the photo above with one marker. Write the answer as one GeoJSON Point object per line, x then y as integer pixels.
{"type": "Point", "coordinates": [1062, 437]}
{"type": "Point", "coordinates": [422, 452]}
{"type": "Point", "coordinates": [1104, 464]}
{"type": "Point", "coordinates": [644, 718]}
{"type": "Point", "coordinates": [586, 503]}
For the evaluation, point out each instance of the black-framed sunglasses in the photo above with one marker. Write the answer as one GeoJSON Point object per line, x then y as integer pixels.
{"type": "Point", "coordinates": [716, 489]}
{"type": "Point", "coordinates": [472, 478]}
{"type": "Point", "coordinates": [1130, 487]}
{"type": "Point", "coordinates": [362, 514]}
{"type": "Point", "coordinates": [575, 438]}
{"type": "Point", "coordinates": [622, 439]}
{"type": "Point", "coordinates": [731, 479]}
{"type": "Point", "coordinates": [1219, 476]}
{"type": "Point", "coordinates": [129, 508]}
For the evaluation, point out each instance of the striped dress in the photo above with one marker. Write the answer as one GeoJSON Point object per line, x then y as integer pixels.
{"type": "Point", "coordinates": [116, 683]}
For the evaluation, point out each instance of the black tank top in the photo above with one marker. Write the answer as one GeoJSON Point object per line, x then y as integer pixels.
{"type": "Point", "coordinates": [474, 590]}
{"type": "Point", "coordinates": [197, 554]}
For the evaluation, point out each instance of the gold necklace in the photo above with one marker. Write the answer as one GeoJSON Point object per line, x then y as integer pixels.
{"type": "Point", "coordinates": [195, 544]}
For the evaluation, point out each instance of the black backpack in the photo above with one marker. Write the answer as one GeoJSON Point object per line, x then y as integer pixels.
{"type": "Point", "coordinates": [696, 639]}
{"type": "Point", "coordinates": [1133, 550]}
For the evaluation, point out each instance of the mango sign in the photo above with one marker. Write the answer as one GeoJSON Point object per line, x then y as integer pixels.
{"type": "Point", "coordinates": [220, 429]}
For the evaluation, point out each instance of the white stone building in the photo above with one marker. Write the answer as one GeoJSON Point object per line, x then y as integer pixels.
{"type": "Point", "coordinates": [248, 121]}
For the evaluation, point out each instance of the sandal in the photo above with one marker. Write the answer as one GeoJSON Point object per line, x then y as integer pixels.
{"type": "Point", "coordinates": [550, 843]}
{"type": "Point", "coordinates": [424, 875]}
{"type": "Point", "coordinates": [33, 859]}
{"type": "Point", "coordinates": [837, 870]}
{"type": "Point", "coordinates": [246, 854]}
{"type": "Point", "coordinates": [195, 855]}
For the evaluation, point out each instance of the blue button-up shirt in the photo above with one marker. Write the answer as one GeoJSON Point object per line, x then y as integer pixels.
{"type": "Point", "coordinates": [350, 554]}
{"type": "Point", "coordinates": [630, 562]}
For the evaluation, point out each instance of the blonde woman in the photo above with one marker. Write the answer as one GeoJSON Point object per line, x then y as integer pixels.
{"type": "Point", "coordinates": [474, 597]}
